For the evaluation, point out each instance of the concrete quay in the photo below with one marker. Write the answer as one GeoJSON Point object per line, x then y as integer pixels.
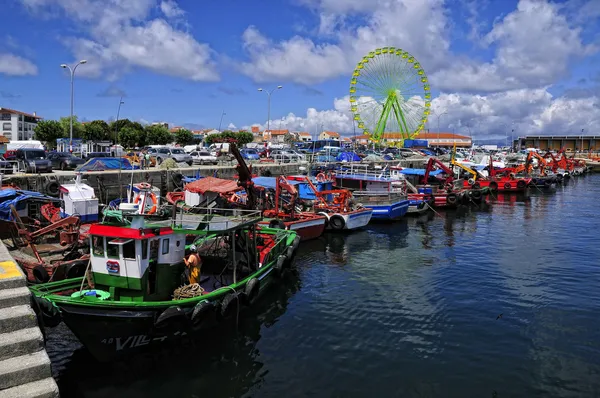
{"type": "Point", "coordinates": [111, 184]}
{"type": "Point", "coordinates": [25, 370]}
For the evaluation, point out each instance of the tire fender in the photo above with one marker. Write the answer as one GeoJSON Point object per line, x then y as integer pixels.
{"type": "Point", "coordinates": [229, 304]}
{"type": "Point", "coordinates": [337, 222]}
{"type": "Point", "coordinates": [251, 290]}
{"type": "Point", "coordinates": [40, 275]}
{"type": "Point", "coordinates": [203, 313]}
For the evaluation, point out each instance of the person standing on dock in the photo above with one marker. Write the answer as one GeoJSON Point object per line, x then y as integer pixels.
{"type": "Point", "coordinates": [194, 265]}
{"type": "Point", "coordinates": [142, 159]}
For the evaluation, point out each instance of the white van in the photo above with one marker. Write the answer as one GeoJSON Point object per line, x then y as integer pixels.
{"type": "Point", "coordinates": [24, 144]}
{"type": "Point", "coordinates": [218, 146]}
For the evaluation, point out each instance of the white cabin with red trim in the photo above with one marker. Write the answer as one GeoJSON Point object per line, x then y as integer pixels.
{"type": "Point", "coordinates": [139, 261]}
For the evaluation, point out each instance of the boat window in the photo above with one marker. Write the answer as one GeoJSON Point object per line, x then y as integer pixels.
{"type": "Point", "coordinates": [165, 246]}
{"type": "Point", "coordinates": [112, 251]}
{"type": "Point", "coordinates": [129, 250]}
{"type": "Point", "coordinates": [144, 249]}
{"type": "Point", "coordinates": [98, 246]}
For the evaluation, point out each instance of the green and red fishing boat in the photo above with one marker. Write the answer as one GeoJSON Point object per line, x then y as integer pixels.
{"type": "Point", "coordinates": [135, 293]}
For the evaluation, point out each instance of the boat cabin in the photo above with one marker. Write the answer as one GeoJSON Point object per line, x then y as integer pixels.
{"type": "Point", "coordinates": [136, 262]}
{"type": "Point", "coordinates": [79, 199]}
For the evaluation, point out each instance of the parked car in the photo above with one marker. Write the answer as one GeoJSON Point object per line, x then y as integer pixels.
{"type": "Point", "coordinates": [64, 160]}
{"type": "Point", "coordinates": [33, 161]}
{"type": "Point", "coordinates": [5, 166]}
{"type": "Point", "coordinates": [92, 155]}
{"type": "Point", "coordinates": [164, 153]}
{"type": "Point", "coordinates": [286, 156]}
{"type": "Point", "coordinates": [249, 154]}
{"type": "Point", "coordinates": [203, 157]}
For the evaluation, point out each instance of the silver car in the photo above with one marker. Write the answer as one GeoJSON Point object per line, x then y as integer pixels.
{"type": "Point", "coordinates": [177, 154]}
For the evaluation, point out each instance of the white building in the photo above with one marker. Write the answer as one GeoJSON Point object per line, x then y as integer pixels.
{"type": "Point", "coordinates": [17, 125]}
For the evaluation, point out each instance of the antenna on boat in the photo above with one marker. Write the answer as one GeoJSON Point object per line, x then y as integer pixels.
{"type": "Point", "coordinates": [78, 178]}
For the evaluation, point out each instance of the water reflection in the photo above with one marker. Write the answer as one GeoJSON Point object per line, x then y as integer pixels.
{"type": "Point", "coordinates": [222, 363]}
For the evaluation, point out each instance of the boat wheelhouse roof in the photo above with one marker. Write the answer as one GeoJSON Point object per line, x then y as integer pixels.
{"type": "Point", "coordinates": [126, 232]}
{"type": "Point", "coordinates": [214, 220]}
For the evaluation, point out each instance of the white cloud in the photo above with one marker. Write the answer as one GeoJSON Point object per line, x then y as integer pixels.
{"type": "Point", "coordinates": [526, 54]}
{"type": "Point", "coordinates": [14, 65]}
{"type": "Point", "coordinates": [231, 126]}
{"type": "Point", "coordinates": [171, 9]}
{"type": "Point", "coordinates": [118, 36]}
{"type": "Point", "coordinates": [485, 116]}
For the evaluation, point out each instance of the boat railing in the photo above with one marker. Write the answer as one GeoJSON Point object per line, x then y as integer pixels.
{"type": "Point", "coordinates": [379, 197]}
{"type": "Point", "coordinates": [368, 173]}
{"type": "Point", "coordinates": [216, 219]}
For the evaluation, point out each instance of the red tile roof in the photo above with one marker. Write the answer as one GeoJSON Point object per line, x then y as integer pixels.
{"type": "Point", "coordinates": [304, 134]}
{"type": "Point", "coordinates": [277, 132]}
{"type": "Point", "coordinates": [424, 136]}
{"type": "Point", "coordinates": [331, 133]}
{"type": "Point", "coordinates": [7, 110]}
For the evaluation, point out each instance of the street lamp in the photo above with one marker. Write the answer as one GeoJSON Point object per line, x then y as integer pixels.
{"type": "Point", "coordinates": [72, 70]}
{"type": "Point", "coordinates": [121, 102]}
{"type": "Point", "coordinates": [438, 126]}
{"type": "Point", "coordinates": [221, 121]}
{"type": "Point", "coordinates": [269, 106]}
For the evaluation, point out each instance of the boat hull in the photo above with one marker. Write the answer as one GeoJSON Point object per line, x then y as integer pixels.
{"type": "Point", "coordinates": [351, 220]}
{"type": "Point", "coordinates": [306, 228]}
{"type": "Point", "coordinates": [391, 211]}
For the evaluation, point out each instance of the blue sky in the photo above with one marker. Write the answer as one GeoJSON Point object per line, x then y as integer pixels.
{"type": "Point", "coordinates": [532, 64]}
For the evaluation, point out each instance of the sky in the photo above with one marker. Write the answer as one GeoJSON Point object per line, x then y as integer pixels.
{"type": "Point", "coordinates": [496, 67]}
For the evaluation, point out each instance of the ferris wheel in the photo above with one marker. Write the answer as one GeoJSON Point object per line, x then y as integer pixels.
{"type": "Point", "coordinates": [390, 93]}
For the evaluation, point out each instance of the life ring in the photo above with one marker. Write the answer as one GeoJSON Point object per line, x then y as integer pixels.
{"type": "Point", "coordinates": [321, 177]}
{"type": "Point", "coordinates": [337, 222]}
{"type": "Point", "coordinates": [203, 313]}
{"type": "Point", "coordinates": [507, 185]}
{"type": "Point", "coordinates": [40, 275]}
{"type": "Point", "coordinates": [251, 290]}
{"type": "Point", "coordinates": [152, 197]}
{"type": "Point", "coordinates": [276, 224]}
{"type": "Point", "coordinates": [493, 185]}
{"type": "Point", "coordinates": [229, 304]}
{"type": "Point", "coordinates": [52, 188]}
{"type": "Point", "coordinates": [144, 185]}
{"type": "Point", "coordinates": [451, 199]}
{"type": "Point", "coordinates": [521, 184]}
{"type": "Point", "coordinates": [476, 185]}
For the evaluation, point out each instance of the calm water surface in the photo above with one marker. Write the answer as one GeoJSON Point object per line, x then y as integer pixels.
{"type": "Point", "coordinates": [408, 309]}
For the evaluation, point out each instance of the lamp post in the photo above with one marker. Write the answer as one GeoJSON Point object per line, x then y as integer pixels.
{"type": "Point", "coordinates": [72, 71]}
{"type": "Point", "coordinates": [269, 93]}
{"type": "Point", "coordinates": [121, 102]}
{"type": "Point", "coordinates": [221, 121]}
{"type": "Point", "coordinates": [438, 125]}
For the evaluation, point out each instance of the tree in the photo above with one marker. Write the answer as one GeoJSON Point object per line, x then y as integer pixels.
{"type": "Point", "coordinates": [97, 130]}
{"type": "Point", "coordinates": [158, 135]}
{"type": "Point", "coordinates": [128, 137]}
{"type": "Point", "coordinates": [48, 131]}
{"type": "Point", "coordinates": [289, 138]}
{"type": "Point", "coordinates": [78, 128]}
{"type": "Point", "coordinates": [244, 137]}
{"type": "Point", "coordinates": [184, 137]}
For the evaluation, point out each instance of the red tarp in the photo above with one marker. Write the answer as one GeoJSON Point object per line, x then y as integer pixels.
{"type": "Point", "coordinates": [212, 184]}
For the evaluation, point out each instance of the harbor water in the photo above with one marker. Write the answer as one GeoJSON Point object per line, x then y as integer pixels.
{"type": "Point", "coordinates": [495, 302]}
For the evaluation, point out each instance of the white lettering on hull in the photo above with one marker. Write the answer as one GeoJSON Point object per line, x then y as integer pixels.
{"type": "Point", "coordinates": [126, 343]}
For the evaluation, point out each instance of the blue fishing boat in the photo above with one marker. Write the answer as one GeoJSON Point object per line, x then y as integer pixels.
{"type": "Point", "coordinates": [377, 189]}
